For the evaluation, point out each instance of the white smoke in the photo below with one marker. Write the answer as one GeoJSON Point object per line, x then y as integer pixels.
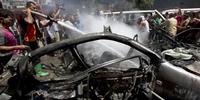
{"type": "Point", "coordinates": [91, 24]}
{"type": "Point", "coordinates": [95, 24]}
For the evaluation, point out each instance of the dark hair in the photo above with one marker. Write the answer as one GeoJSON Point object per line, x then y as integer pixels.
{"type": "Point", "coordinates": [28, 4]}
{"type": "Point", "coordinates": [5, 13]}
{"type": "Point", "coordinates": [172, 15]}
{"type": "Point", "coordinates": [185, 16]}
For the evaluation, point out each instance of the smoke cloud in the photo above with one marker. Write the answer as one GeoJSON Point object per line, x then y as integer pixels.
{"type": "Point", "coordinates": [95, 50]}
{"type": "Point", "coordinates": [91, 24]}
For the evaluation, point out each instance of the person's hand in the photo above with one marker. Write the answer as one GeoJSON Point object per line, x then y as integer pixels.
{"type": "Point", "coordinates": [52, 19]}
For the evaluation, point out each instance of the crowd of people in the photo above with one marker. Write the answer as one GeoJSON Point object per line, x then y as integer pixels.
{"type": "Point", "coordinates": [177, 24]}
{"type": "Point", "coordinates": [174, 23]}
{"type": "Point", "coordinates": [23, 30]}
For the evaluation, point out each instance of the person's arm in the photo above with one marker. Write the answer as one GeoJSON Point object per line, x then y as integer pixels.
{"type": "Point", "coordinates": [196, 19]}
{"type": "Point", "coordinates": [9, 48]}
{"type": "Point", "coordinates": [179, 12]}
{"type": "Point", "coordinates": [45, 23]}
{"type": "Point", "coordinates": [57, 13]}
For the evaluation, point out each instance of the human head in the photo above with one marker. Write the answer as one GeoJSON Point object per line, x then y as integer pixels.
{"type": "Point", "coordinates": [31, 5]}
{"type": "Point", "coordinates": [6, 17]}
{"type": "Point", "coordinates": [172, 15]}
{"type": "Point", "coordinates": [166, 15]}
{"type": "Point", "coordinates": [185, 16]}
{"type": "Point", "coordinates": [179, 12]}
{"type": "Point", "coordinates": [140, 19]}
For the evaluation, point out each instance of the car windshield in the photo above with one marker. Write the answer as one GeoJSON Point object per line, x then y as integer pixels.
{"type": "Point", "coordinates": [100, 51]}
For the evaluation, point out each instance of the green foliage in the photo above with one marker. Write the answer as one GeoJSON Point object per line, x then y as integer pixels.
{"type": "Point", "coordinates": [130, 0]}
{"type": "Point", "coordinates": [144, 4]}
{"type": "Point", "coordinates": [97, 1]}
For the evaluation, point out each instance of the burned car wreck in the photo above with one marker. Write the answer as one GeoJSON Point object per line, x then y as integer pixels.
{"type": "Point", "coordinates": [110, 79]}
{"type": "Point", "coordinates": [89, 66]}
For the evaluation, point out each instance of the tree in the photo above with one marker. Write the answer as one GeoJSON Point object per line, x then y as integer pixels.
{"type": "Point", "coordinates": [142, 4]}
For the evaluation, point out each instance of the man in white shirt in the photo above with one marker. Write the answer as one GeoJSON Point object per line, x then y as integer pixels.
{"type": "Point", "coordinates": [143, 26]}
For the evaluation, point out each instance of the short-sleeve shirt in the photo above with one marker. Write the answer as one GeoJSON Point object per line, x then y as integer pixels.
{"type": "Point", "coordinates": [7, 38]}
{"type": "Point", "coordinates": [29, 30]}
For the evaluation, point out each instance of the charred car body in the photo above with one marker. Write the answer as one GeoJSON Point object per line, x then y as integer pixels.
{"type": "Point", "coordinates": [99, 81]}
